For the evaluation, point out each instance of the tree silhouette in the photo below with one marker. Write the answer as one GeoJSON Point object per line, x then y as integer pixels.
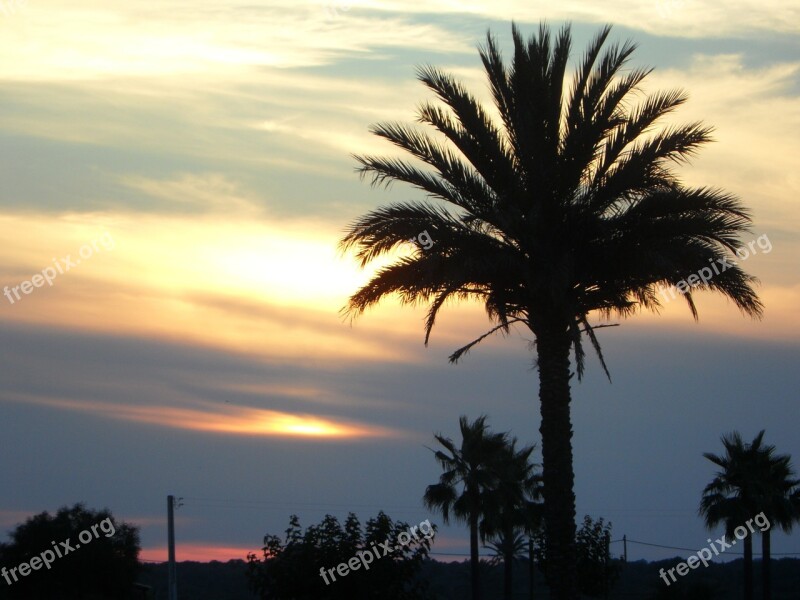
{"type": "Point", "coordinates": [469, 473]}
{"type": "Point", "coordinates": [567, 206]}
{"type": "Point", "coordinates": [778, 497]}
{"type": "Point", "coordinates": [508, 548]}
{"type": "Point", "coordinates": [512, 508]}
{"type": "Point", "coordinates": [102, 563]}
{"type": "Point", "coordinates": [292, 569]}
{"type": "Point", "coordinates": [597, 571]}
{"type": "Point", "coordinates": [751, 480]}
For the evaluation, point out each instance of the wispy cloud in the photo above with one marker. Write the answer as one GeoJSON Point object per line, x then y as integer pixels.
{"type": "Point", "coordinates": [95, 40]}
{"type": "Point", "coordinates": [683, 18]}
{"type": "Point", "coordinates": [230, 420]}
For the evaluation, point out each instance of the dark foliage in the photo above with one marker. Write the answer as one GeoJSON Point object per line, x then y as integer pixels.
{"type": "Point", "coordinates": [450, 581]}
{"type": "Point", "coordinates": [597, 570]}
{"type": "Point", "coordinates": [103, 569]}
{"type": "Point", "coordinates": [291, 568]}
{"type": "Point", "coordinates": [214, 580]}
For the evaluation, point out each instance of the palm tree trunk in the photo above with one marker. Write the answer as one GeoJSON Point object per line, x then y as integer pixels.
{"type": "Point", "coordinates": [748, 567]}
{"type": "Point", "coordinates": [766, 583]}
{"type": "Point", "coordinates": [508, 565]}
{"type": "Point", "coordinates": [553, 346]}
{"type": "Point", "coordinates": [475, 580]}
{"type": "Point", "coordinates": [531, 565]}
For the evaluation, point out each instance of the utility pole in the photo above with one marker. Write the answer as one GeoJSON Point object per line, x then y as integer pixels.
{"type": "Point", "coordinates": [625, 548]}
{"type": "Point", "coordinates": [172, 583]}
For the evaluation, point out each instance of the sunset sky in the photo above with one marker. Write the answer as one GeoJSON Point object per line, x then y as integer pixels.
{"type": "Point", "coordinates": [182, 171]}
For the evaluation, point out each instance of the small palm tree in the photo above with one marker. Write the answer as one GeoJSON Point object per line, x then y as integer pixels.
{"type": "Point", "coordinates": [508, 548]}
{"type": "Point", "coordinates": [469, 472]}
{"type": "Point", "coordinates": [733, 495]}
{"type": "Point", "coordinates": [512, 508]}
{"type": "Point", "coordinates": [566, 207]}
{"type": "Point", "coordinates": [778, 498]}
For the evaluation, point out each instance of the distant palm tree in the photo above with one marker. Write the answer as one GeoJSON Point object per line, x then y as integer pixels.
{"type": "Point", "coordinates": [469, 472]}
{"type": "Point", "coordinates": [507, 548]}
{"type": "Point", "coordinates": [736, 492]}
{"type": "Point", "coordinates": [512, 508]}
{"type": "Point", "coordinates": [778, 497]}
{"type": "Point", "coordinates": [567, 206]}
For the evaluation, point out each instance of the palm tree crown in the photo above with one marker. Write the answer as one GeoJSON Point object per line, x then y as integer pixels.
{"type": "Point", "coordinates": [732, 496]}
{"type": "Point", "coordinates": [561, 209]}
{"type": "Point", "coordinates": [468, 468]}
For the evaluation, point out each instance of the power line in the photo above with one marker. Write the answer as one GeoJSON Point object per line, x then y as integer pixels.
{"type": "Point", "coordinates": [273, 505]}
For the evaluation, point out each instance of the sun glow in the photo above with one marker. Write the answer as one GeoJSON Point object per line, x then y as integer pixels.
{"type": "Point", "coordinates": [198, 551]}
{"type": "Point", "coordinates": [246, 284]}
{"type": "Point", "coordinates": [228, 419]}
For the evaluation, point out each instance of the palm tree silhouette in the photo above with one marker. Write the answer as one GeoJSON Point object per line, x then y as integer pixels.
{"type": "Point", "coordinates": [512, 508]}
{"type": "Point", "coordinates": [469, 472]}
{"type": "Point", "coordinates": [751, 481]}
{"type": "Point", "coordinates": [562, 208]}
{"type": "Point", "coordinates": [778, 498]}
{"type": "Point", "coordinates": [507, 549]}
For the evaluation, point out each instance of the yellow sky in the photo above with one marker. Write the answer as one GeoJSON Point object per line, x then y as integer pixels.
{"type": "Point", "coordinates": [211, 265]}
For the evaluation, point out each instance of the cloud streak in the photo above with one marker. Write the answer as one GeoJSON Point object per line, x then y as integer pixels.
{"type": "Point", "coordinates": [232, 420]}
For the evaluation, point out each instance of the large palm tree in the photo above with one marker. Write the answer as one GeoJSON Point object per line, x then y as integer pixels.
{"type": "Point", "coordinates": [469, 471]}
{"type": "Point", "coordinates": [737, 492]}
{"type": "Point", "coordinates": [566, 206]}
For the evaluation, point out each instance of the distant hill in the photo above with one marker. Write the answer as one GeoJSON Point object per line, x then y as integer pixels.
{"type": "Point", "coordinates": [450, 581]}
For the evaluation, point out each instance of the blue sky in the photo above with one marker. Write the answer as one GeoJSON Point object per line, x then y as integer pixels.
{"type": "Point", "coordinates": [200, 351]}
